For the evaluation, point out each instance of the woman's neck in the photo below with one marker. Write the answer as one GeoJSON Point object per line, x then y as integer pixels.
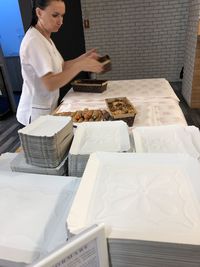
{"type": "Point", "coordinates": [43, 31]}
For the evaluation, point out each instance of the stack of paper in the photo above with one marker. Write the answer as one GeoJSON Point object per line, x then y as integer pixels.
{"type": "Point", "coordinates": [151, 202]}
{"type": "Point", "coordinates": [46, 140]}
{"type": "Point", "coordinates": [18, 164]}
{"type": "Point", "coordinates": [33, 215]}
{"type": "Point", "coordinates": [168, 139]}
{"type": "Point", "coordinates": [96, 136]}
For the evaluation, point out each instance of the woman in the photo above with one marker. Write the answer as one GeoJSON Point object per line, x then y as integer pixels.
{"type": "Point", "coordinates": [43, 68]}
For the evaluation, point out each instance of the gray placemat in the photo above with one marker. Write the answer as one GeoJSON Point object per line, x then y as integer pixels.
{"type": "Point", "coordinates": [19, 164]}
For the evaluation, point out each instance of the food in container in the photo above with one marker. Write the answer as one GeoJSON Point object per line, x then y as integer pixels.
{"type": "Point", "coordinates": [86, 115]}
{"type": "Point", "coordinates": [121, 108]}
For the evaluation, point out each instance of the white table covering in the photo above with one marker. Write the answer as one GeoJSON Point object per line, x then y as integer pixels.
{"type": "Point", "coordinates": [153, 197]}
{"type": "Point", "coordinates": [139, 89]}
{"type": "Point", "coordinates": [5, 160]}
{"type": "Point", "coordinates": [154, 100]}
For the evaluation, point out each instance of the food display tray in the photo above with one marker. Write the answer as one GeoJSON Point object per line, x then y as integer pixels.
{"type": "Point", "coordinates": [120, 108]}
{"type": "Point", "coordinates": [89, 86]}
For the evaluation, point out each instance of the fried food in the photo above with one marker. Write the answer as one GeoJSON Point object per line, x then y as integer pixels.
{"type": "Point", "coordinates": [86, 115]}
{"type": "Point", "coordinates": [120, 106]}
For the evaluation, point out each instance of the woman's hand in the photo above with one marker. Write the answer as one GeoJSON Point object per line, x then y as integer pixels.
{"type": "Point", "coordinates": [90, 64]}
{"type": "Point", "coordinates": [86, 62]}
{"type": "Point", "coordinates": [89, 61]}
{"type": "Point", "coordinates": [91, 53]}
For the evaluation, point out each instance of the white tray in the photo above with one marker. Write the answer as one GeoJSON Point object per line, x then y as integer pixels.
{"type": "Point", "coordinates": [47, 125]}
{"type": "Point", "coordinates": [100, 136]}
{"type": "Point", "coordinates": [154, 197]}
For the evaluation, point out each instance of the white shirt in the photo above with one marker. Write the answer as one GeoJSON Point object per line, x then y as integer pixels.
{"type": "Point", "coordinates": [38, 57]}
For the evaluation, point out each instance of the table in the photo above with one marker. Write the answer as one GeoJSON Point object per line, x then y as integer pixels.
{"type": "Point", "coordinates": [154, 100]}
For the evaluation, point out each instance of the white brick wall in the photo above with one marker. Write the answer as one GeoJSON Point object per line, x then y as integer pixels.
{"type": "Point", "coordinates": [144, 38]}
{"type": "Point", "coordinates": [190, 47]}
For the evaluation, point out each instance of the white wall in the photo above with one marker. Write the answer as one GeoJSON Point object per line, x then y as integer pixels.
{"type": "Point", "coordinates": [144, 38]}
{"type": "Point", "coordinates": [190, 48]}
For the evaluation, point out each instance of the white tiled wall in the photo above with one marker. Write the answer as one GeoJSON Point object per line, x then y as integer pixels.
{"type": "Point", "coordinates": [190, 47]}
{"type": "Point", "coordinates": [144, 38]}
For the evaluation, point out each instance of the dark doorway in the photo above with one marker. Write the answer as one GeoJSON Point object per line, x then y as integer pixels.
{"type": "Point", "coordinates": [70, 39]}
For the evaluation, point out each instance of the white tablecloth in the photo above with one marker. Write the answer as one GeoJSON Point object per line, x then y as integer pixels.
{"type": "Point", "coordinates": [154, 100]}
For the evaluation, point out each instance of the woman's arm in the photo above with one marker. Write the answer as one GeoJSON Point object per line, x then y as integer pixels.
{"type": "Point", "coordinates": [86, 62]}
{"type": "Point", "coordinates": [91, 53]}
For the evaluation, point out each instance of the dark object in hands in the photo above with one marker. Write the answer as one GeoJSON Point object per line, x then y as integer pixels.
{"type": "Point", "coordinates": [106, 62]}
{"type": "Point", "coordinates": [181, 73]}
{"type": "Point", "coordinates": [89, 86]}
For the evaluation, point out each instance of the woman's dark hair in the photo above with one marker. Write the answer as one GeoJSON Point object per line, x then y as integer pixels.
{"type": "Point", "coordinates": [42, 4]}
